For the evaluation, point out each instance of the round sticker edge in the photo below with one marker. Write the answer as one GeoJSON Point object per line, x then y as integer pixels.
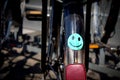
{"type": "Point", "coordinates": [71, 42]}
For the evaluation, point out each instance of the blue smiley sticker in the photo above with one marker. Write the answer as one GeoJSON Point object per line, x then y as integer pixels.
{"type": "Point", "coordinates": [75, 42]}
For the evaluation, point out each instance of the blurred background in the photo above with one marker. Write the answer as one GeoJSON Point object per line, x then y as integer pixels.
{"type": "Point", "coordinates": [22, 60]}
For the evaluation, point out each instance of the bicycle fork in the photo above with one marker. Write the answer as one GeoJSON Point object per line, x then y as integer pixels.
{"type": "Point", "coordinates": [74, 55]}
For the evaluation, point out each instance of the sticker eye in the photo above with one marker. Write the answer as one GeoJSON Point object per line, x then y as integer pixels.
{"type": "Point", "coordinates": [73, 38]}
{"type": "Point", "coordinates": [79, 39]}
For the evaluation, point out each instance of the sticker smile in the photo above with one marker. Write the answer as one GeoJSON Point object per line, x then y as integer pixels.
{"type": "Point", "coordinates": [75, 46]}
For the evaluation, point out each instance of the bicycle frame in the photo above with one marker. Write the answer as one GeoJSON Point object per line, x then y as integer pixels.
{"type": "Point", "coordinates": [73, 39]}
{"type": "Point", "coordinates": [74, 55]}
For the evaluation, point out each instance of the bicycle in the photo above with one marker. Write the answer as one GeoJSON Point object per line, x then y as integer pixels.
{"type": "Point", "coordinates": [55, 39]}
{"type": "Point", "coordinates": [104, 23]}
{"type": "Point", "coordinates": [64, 56]}
{"type": "Point", "coordinates": [9, 18]}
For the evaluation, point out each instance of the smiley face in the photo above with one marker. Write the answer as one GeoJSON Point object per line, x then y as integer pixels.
{"type": "Point", "coordinates": [75, 41]}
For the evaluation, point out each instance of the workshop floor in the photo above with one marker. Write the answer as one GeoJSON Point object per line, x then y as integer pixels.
{"type": "Point", "coordinates": [20, 66]}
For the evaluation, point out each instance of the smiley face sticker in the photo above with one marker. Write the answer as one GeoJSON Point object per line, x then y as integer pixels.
{"type": "Point", "coordinates": [75, 41]}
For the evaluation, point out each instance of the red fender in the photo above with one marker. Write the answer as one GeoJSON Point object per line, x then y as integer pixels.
{"type": "Point", "coordinates": [75, 72]}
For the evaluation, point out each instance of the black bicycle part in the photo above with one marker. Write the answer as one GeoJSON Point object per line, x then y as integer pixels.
{"type": "Point", "coordinates": [44, 31]}
{"type": "Point", "coordinates": [53, 39]}
{"type": "Point", "coordinates": [87, 32]}
{"type": "Point", "coordinates": [10, 13]}
{"type": "Point", "coordinates": [111, 20]}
